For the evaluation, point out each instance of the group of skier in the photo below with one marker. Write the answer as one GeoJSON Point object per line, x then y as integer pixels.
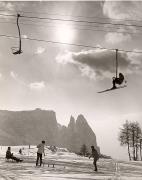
{"type": "Point", "coordinates": [10, 155]}
{"type": "Point", "coordinates": [41, 152]}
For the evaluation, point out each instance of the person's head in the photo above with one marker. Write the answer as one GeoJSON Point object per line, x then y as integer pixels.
{"type": "Point", "coordinates": [43, 142]}
{"type": "Point", "coordinates": [9, 148]}
{"type": "Point", "coordinates": [92, 147]}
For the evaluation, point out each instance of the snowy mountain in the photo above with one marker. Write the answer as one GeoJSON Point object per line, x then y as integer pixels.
{"type": "Point", "coordinates": [30, 127]}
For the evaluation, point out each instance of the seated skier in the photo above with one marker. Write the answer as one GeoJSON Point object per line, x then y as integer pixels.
{"type": "Point", "coordinates": [118, 80]}
{"type": "Point", "coordinates": [9, 155]}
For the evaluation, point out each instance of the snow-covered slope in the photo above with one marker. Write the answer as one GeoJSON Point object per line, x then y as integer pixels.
{"type": "Point", "coordinates": [68, 166]}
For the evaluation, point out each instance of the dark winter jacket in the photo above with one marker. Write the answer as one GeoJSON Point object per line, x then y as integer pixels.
{"type": "Point", "coordinates": [8, 154]}
{"type": "Point", "coordinates": [95, 154]}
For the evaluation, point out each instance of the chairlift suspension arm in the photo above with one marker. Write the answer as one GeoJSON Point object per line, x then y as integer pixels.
{"type": "Point", "coordinates": [116, 63]}
{"type": "Point", "coordinates": [18, 15]}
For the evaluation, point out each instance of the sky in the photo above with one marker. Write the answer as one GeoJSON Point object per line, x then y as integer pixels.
{"type": "Point", "coordinates": [66, 78]}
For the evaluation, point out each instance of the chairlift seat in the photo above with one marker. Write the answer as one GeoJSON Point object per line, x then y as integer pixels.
{"type": "Point", "coordinates": [16, 50]}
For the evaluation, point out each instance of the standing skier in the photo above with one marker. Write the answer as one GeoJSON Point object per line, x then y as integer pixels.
{"type": "Point", "coordinates": [95, 155]}
{"type": "Point", "coordinates": [40, 152]}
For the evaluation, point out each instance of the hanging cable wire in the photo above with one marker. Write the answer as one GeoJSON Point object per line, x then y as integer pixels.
{"type": "Point", "coordinates": [69, 44]}
{"type": "Point", "coordinates": [76, 21]}
{"type": "Point", "coordinates": [83, 21]}
{"type": "Point", "coordinates": [87, 29]}
{"type": "Point", "coordinates": [107, 29]}
{"type": "Point", "coordinates": [82, 25]}
{"type": "Point", "coordinates": [75, 16]}
{"type": "Point", "coordinates": [49, 22]}
{"type": "Point", "coordinates": [124, 31]}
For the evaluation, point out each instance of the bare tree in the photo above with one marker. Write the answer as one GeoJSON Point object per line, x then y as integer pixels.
{"type": "Point", "coordinates": [124, 136]}
{"type": "Point", "coordinates": [135, 138]}
{"type": "Point", "coordinates": [130, 135]}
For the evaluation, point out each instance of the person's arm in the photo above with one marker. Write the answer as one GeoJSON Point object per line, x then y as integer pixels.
{"type": "Point", "coordinates": [38, 145]}
{"type": "Point", "coordinates": [7, 154]}
{"type": "Point", "coordinates": [90, 156]}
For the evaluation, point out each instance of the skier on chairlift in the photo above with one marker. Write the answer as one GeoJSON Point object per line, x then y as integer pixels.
{"type": "Point", "coordinates": [118, 80]}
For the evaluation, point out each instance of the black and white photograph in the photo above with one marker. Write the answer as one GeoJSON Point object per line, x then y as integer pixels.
{"type": "Point", "coordinates": [71, 90]}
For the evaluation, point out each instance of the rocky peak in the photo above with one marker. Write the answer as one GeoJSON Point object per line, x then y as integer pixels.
{"type": "Point", "coordinates": [71, 124]}
{"type": "Point", "coordinates": [81, 120]}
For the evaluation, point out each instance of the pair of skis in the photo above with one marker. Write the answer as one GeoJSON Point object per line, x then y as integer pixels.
{"type": "Point", "coordinates": [112, 89]}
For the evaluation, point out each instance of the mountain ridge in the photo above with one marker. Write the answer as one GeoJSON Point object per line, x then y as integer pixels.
{"type": "Point", "coordinates": [31, 126]}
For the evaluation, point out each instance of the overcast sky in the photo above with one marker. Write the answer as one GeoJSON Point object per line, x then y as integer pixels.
{"type": "Point", "coordinates": [66, 78]}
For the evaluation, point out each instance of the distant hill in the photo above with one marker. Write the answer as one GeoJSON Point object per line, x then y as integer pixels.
{"type": "Point", "coordinates": [30, 127]}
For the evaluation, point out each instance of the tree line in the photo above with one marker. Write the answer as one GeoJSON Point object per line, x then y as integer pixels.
{"type": "Point", "coordinates": [85, 152]}
{"type": "Point", "coordinates": [131, 136]}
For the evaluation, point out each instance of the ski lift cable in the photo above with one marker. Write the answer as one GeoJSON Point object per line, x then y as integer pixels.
{"type": "Point", "coordinates": [106, 29]}
{"type": "Point", "coordinates": [76, 28]}
{"type": "Point", "coordinates": [77, 21]}
{"type": "Point", "coordinates": [70, 44]}
{"type": "Point", "coordinates": [82, 21]}
{"type": "Point", "coordinates": [87, 29]}
{"type": "Point", "coordinates": [96, 26]}
{"type": "Point", "coordinates": [57, 14]}
{"type": "Point", "coordinates": [73, 24]}
{"type": "Point", "coordinates": [82, 25]}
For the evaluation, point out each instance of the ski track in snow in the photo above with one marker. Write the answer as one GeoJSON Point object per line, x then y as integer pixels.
{"type": "Point", "coordinates": [68, 166]}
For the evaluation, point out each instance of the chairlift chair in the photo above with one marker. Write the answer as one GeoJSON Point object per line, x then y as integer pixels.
{"type": "Point", "coordinates": [17, 50]}
{"type": "Point", "coordinates": [115, 78]}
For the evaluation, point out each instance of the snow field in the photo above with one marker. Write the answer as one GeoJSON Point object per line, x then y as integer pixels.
{"type": "Point", "coordinates": [68, 166]}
